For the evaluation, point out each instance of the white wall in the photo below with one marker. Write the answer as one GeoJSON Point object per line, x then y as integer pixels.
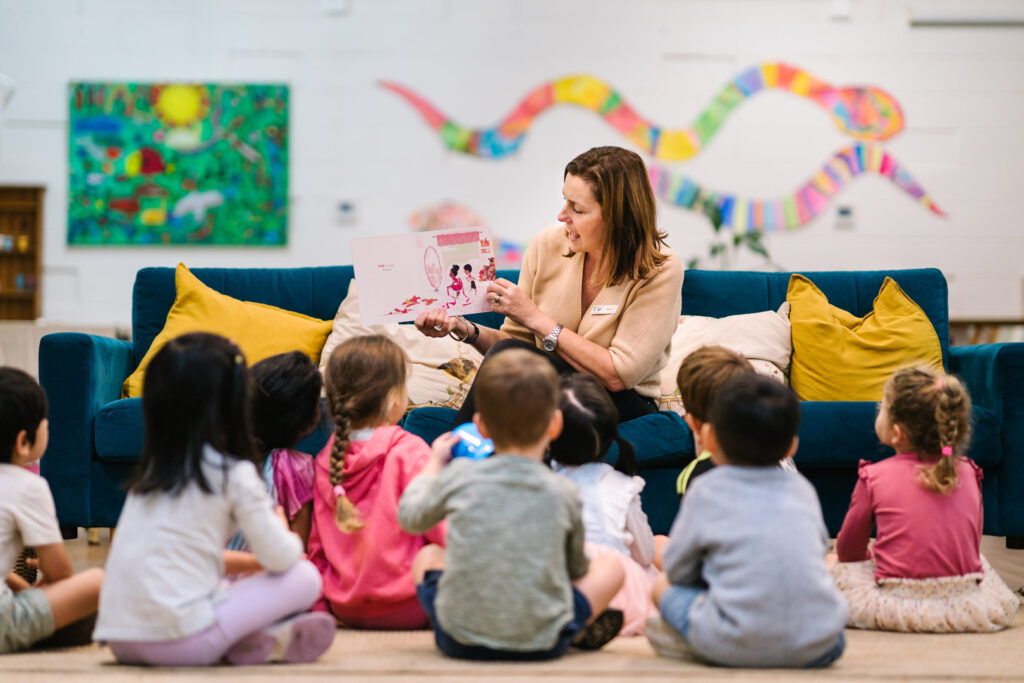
{"type": "Point", "coordinates": [961, 88]}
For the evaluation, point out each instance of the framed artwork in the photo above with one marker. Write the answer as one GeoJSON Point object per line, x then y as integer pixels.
{"type": "Point", "coordinates": [177, 163]}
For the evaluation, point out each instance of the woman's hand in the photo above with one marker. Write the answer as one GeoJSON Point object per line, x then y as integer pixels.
{"type": "Point", "coordinates": [505, 297]}
{"type": "Point", "coordinates": [437, 323]}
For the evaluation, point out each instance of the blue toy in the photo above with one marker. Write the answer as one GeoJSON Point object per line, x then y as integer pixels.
{"type": "Point", "coordinates": [471, 444]}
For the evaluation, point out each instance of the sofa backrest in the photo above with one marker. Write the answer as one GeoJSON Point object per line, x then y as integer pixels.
{"type": "Point", "coordinates": [312, 291]}
{"type": "Point", "coordinates": [719, 293]}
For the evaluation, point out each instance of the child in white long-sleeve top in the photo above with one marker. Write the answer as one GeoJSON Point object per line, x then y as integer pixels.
{"type": "Point", "coordinates": [163, 601]}
{"type": "Point", "coordinates": [614, 522]}
{"type": "Point", "coordinates": [32, 613]}
{"type": "Point", "coordinates": [514, 582]}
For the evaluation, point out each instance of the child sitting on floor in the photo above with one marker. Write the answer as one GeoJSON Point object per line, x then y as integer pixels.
{"type": "Point", "coordinates": [162, 601]}
{"type": "Point", "coordinates": [356, 543]}
{"type": "Point", "coordinates": [514, 582]}
{"type": "Point", "coordinates": [614, 523]}
{"type": "Point", "coordinates": [925, 571]}
{"type": "Point", "coordinates": [32, 613]}
{"type": "Point", "coordinates": [700, 376]}
{"type": "Point", "coordinates": [285, 402]}
{"type": "Point", "coordinates": [745, 580]}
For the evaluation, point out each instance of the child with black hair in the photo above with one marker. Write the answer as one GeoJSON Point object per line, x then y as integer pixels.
{"type": "Point", "coordinates": [745, 580]}
{"type": "Point", "coordinates": [285, 404]}
{"type": "Point", "coordinates": [614, 523]}
{"type": "Point", "coordinates": [163, 602]}
{"type": "Point", "coordinates": [31, 613]}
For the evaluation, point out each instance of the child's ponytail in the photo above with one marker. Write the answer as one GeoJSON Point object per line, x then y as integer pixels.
{"type": "Point", "coordinates": [934, 409]}
{"type": "Point", "coordinates": [626, 462]}
{"type": "Point", "coordinates": [361, 374]}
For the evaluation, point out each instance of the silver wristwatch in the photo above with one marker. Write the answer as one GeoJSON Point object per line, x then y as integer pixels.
{"type": "Point", "coordinates": [550, 342]}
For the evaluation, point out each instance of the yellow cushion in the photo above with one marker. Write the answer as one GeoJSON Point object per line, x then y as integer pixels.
{"type": "Point", "coordinates": [259, 330]}
{"type": "Point", "coordinates": [839, 357]}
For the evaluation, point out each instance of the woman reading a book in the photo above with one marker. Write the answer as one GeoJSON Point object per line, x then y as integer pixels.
{"type": "Point", "coordinates": [600, 293]}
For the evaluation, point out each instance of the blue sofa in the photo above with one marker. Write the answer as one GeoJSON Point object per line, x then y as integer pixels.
{"type": "Point", "coordinates": [96, 436]}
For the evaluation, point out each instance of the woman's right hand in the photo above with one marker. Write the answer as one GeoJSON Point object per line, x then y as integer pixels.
{"type": "Point", "coordinates": [437, 323]}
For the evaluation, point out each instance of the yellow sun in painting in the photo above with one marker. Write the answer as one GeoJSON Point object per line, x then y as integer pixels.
{"type": "Point", "coordinates": [181, 105]}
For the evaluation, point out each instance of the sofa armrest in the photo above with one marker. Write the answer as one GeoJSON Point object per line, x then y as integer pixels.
{"type": "Point", "coordinates": [80, 373]}
{"type": "Point", "coordinates": [994, 375]}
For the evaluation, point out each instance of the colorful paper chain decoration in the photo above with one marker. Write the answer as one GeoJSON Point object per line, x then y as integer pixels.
{"type": "Point", "coordinates": [803, 205]}
{"type": "Point", "coordinates": [863, 112]}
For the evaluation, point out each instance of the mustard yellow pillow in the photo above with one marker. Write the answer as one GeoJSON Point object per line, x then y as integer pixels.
{"type": "Point", "coordinates": [259, 330]}
{"type": "Point", "coordinates": [839, 357]}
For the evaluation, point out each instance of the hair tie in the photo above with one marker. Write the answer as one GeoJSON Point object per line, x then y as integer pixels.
{"type": "Point", "coordinates": [339, 491]}
{"type": "Point", "coordinates": [239, 359]}
{"type": "Point", "coordinates": [947, 451]}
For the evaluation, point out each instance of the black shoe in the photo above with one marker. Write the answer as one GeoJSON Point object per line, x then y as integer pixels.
{"type": "Point", "coordinates": [24, 569]}
{"type": "Point", "coordinates": [600, 631]}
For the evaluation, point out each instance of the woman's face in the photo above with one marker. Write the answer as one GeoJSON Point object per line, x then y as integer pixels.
{"type": "Point", "coordinates": [582, 216]}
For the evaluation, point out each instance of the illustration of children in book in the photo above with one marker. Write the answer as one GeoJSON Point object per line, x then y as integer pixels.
{"type": "Point", "coordinates": [468, 270]}
{"type": "Point", "coordinates": [455, 288]}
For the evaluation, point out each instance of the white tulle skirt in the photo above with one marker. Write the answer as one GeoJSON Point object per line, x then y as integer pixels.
{"type": "Point", "coordinates": [975, 603]}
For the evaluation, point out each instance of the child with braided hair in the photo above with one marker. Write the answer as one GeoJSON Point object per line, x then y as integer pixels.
{"type": "Point", "coordinates": [355, 541]}
{"type": "Point", "coordinates": [925, 571]}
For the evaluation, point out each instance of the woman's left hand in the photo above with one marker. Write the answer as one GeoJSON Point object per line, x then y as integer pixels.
{"type": "Point", "coordinates": [505, 297]}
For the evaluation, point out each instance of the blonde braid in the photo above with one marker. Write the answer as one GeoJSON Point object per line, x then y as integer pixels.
{"type": "Point", "coordinates": [346, 515]}
{"type": "Point", "coordinates": [952, 424]}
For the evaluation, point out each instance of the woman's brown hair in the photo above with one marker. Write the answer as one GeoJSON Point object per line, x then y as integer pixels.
{"type": "Point", "coordinates": [934, 410]}
{"type": "Point", "coordinates": [632, 241]}
{"type": "Point", "coordinates": [361, 373]}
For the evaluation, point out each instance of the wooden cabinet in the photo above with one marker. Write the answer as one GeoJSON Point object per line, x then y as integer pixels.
{"type": "Point", "coordinates": [21, 258]}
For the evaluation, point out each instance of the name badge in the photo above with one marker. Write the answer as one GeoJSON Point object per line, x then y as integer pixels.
{"type": "Point", "coordinates": [606, 309]}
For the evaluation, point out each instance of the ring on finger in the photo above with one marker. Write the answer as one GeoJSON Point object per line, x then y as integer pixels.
{"type": "Point", "coordinates": [439, 327]}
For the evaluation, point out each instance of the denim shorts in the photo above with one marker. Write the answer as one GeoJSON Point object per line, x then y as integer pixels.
{"type": "Point", "coordinates": [675, 606]}
{"type": "Point", "coordinates": [25, 619]}
{"type": "Point", "coordinates": [427, 593]}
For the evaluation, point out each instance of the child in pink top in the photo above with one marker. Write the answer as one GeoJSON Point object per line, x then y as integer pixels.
{"type": "Point", "coordinates": [925, 571]}
{"type": "Point", "coordinates": [355, 541]}
{"type": "Point", "coordinates": [285, 405]}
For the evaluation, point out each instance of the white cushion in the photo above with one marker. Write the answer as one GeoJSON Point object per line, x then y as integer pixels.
{"type": "Point", "coordinates": [764, 338]}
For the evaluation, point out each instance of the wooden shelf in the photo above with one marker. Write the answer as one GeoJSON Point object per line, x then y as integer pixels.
{"type": "Point", "coordinates": [21, 222]}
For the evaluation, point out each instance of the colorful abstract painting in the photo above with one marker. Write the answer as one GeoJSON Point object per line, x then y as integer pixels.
{"type": "Point", "coordinates": [863, 112]}
{"type": "Point", "coordinates": [178, 163]}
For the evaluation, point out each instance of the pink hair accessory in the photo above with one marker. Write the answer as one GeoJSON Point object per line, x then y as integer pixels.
{"type": "Point", "coordinates": [947, 451]}
{"type": "Point", "coordinates": [339, 491]}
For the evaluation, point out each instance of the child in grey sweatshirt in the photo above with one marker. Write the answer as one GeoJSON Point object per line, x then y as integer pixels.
{"type": "Point", "coordinates": [513, 582]}
{"type": "Point", "coordinates": [745, 580]}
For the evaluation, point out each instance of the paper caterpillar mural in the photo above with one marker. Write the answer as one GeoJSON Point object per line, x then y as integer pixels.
{"type": "Point", "coordinates": [868, 113]}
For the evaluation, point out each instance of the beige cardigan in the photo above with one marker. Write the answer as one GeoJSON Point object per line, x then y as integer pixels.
{"type": "Point", "coordinates": [634, 319]}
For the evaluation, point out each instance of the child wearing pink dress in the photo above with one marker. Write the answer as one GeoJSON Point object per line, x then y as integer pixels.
{"type": "Point", "coordinates": [614, 523]}
{"type": "Point", "coordinates": [925, 571]}
{"type": "Point", "coordinates": [285, 403]}
{"type": "Point", "coordinates": [355, 541]}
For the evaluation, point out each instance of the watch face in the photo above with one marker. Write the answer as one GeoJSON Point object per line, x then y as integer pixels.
{"type": "Point", "coordinates": [548, 344]}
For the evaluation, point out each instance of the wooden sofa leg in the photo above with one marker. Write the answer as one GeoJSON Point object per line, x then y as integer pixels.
{"type": "Point", "coordinates": [1015, 542]}
{"type": "Point", "coordinates": [92, 536]}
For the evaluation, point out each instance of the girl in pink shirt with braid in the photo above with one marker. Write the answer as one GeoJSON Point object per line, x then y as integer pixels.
{"type": "Point", "coordinates": [925, 571]}
{"type": "Point", "coordinates": [355, 541]}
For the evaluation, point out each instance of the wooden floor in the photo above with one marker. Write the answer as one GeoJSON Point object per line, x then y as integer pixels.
{"type": "Point", "coordinates": [411, 656]}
